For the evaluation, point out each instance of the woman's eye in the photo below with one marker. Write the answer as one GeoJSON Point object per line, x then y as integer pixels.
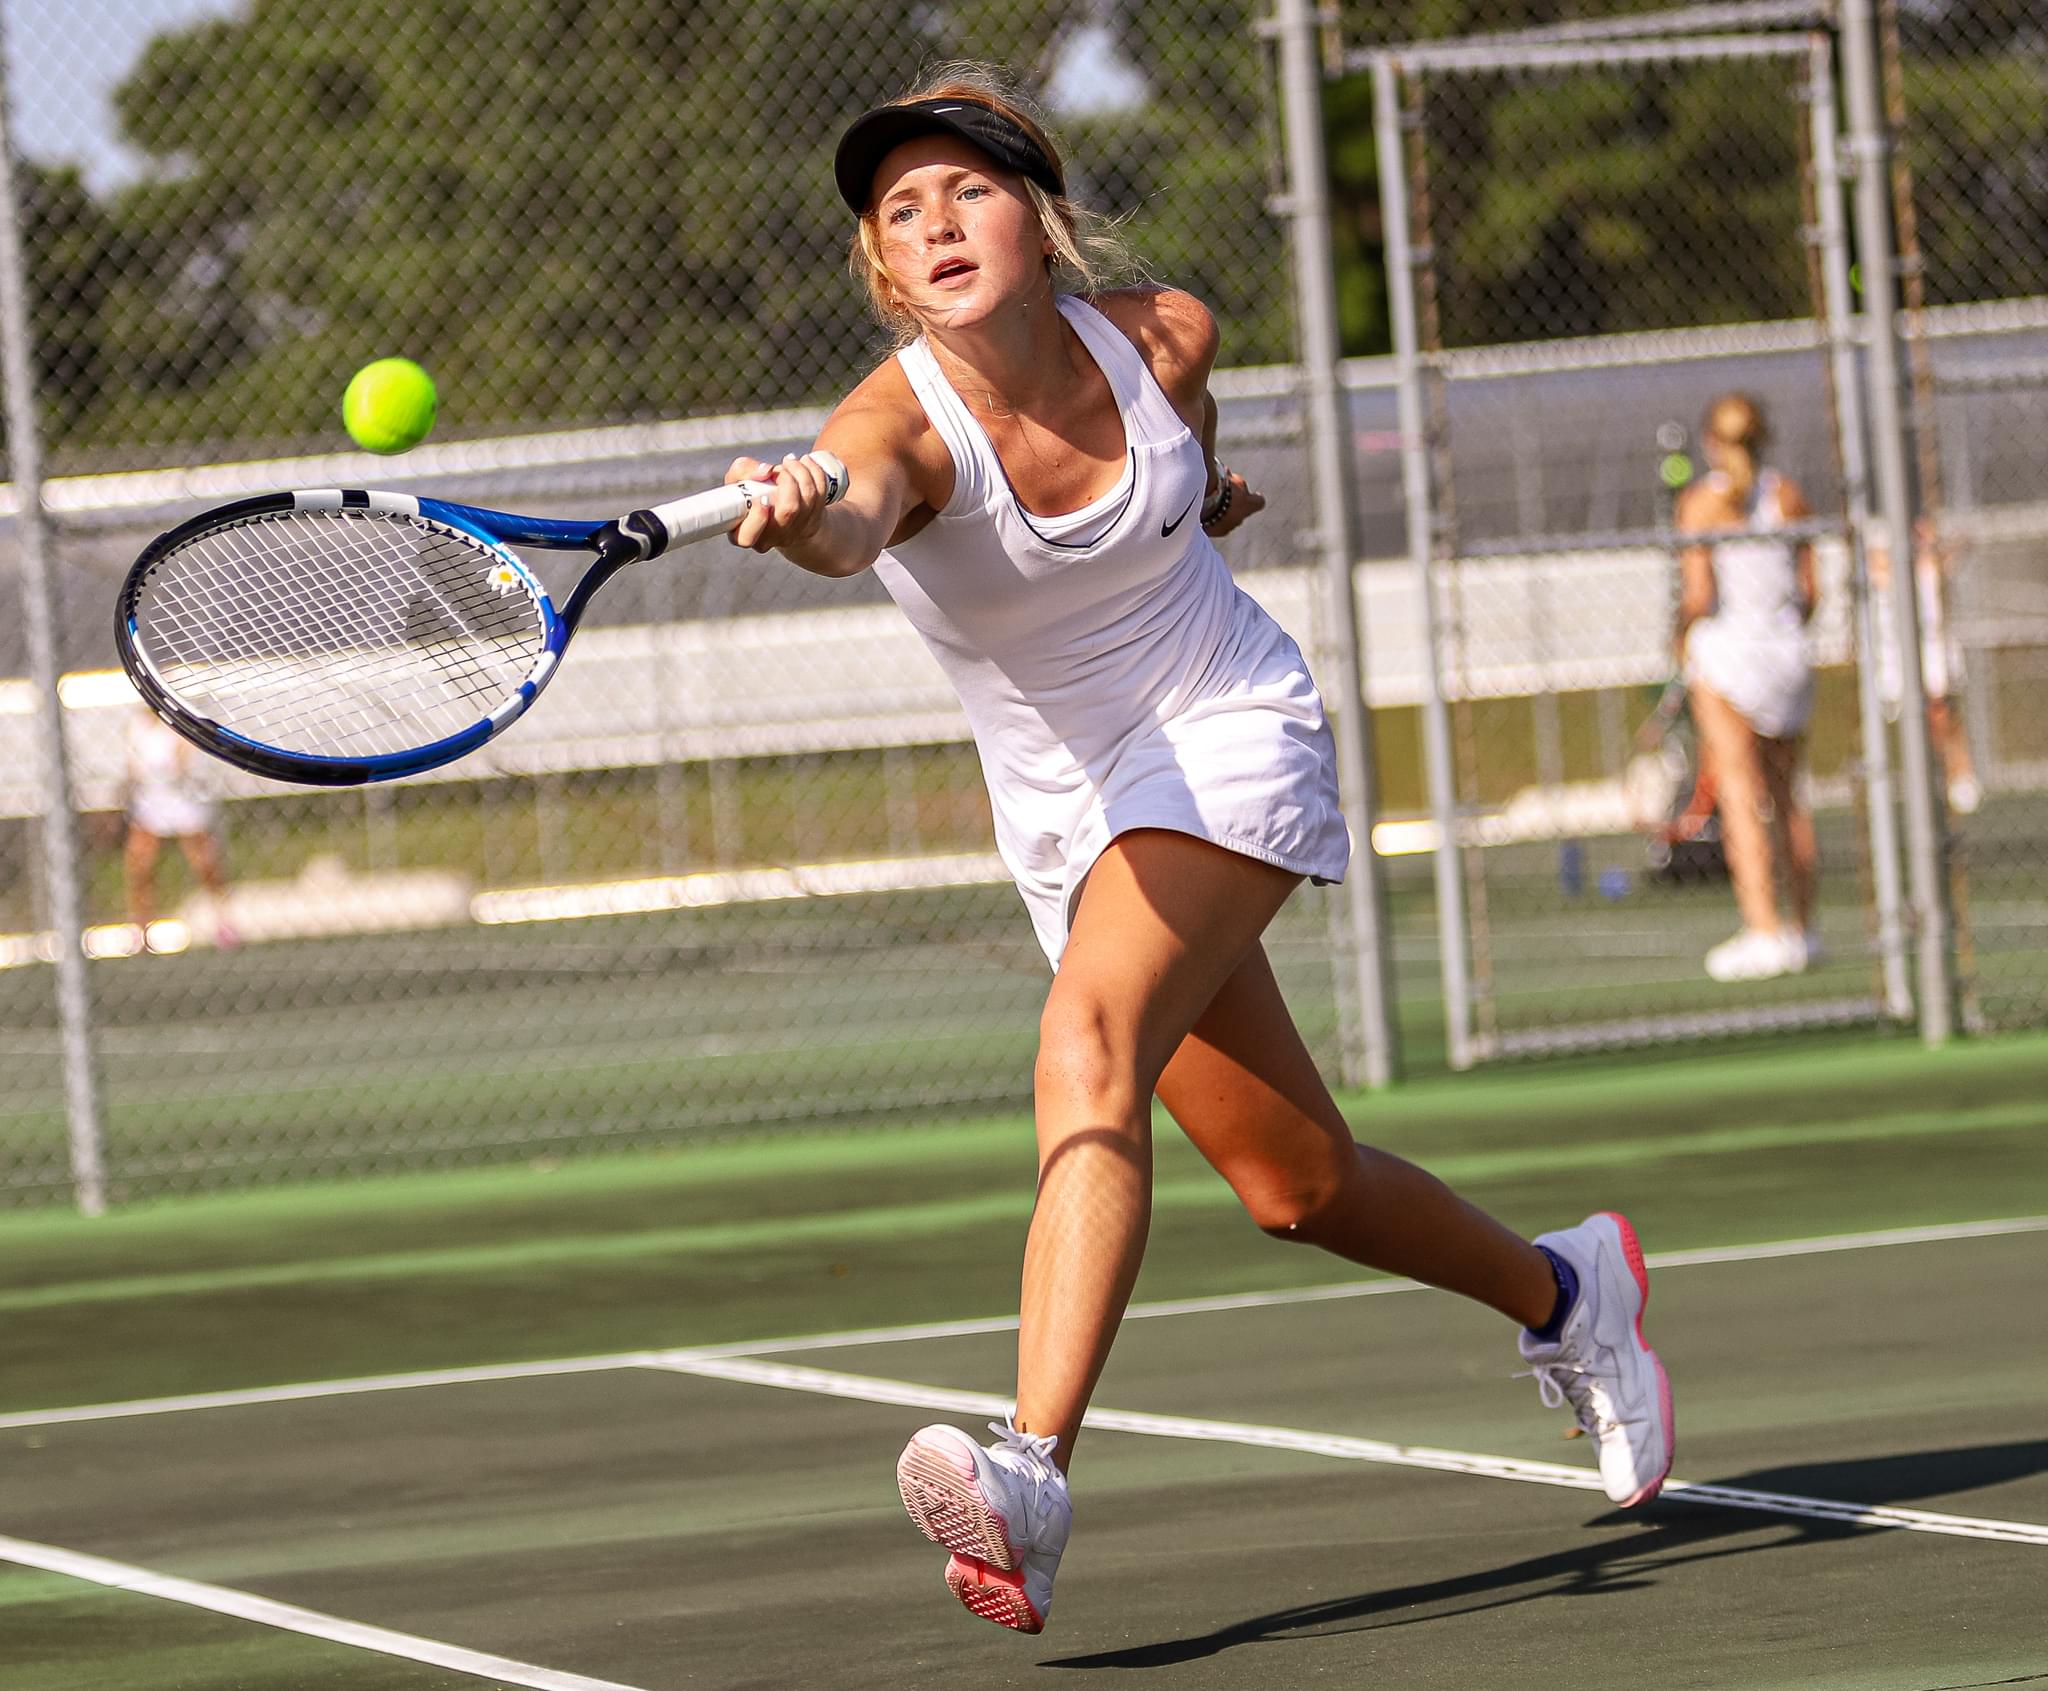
{"type": "Point", "coordinates": [974, 192]}
{"type": "Point", "coordinates": [900, 215]}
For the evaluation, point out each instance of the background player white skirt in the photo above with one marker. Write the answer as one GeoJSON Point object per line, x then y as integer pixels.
{"type": "Point", "coordinates": [169, 813]}
{"type": "Point", "coordinates": [1768, 678]}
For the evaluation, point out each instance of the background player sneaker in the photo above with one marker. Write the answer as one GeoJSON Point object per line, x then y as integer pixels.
{"type": "Point", "coordinates": [1003, 1512]}
{"type": "Point", "coordinates": [1599, 1363]}
{"type": "Point", "coordinates": [1757, 955]}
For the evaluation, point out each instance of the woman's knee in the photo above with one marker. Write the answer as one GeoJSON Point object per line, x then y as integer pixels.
{"type": "Point", "coordinates": [1088, 1057]}
{"type": "Point", "coordinates": [1297, 1203]}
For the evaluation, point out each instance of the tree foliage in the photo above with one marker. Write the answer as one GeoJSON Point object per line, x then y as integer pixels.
{"type": "Point", "coordinates": [1584, 202]}
{"type": "Point", "coordinates": [581, 210]}
{"type": "Point", "coordinates": [602, 210]}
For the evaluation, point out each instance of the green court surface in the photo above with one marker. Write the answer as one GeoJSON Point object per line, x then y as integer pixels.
{"type": "Point", "coordinates": [630, 1422]}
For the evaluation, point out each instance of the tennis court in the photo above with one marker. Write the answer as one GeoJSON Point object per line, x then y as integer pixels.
{"type": "Point", "coordinates": [631, 1421]}
{"type": "Point", "coordinates": [543, 1197]}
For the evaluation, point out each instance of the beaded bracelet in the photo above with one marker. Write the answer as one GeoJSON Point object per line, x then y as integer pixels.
{"type": "Point", "coordinates": [1214, 508]}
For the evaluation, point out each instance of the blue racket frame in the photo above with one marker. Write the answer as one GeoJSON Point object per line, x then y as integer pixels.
{"type": "Point", "coordinates": [499, 530]}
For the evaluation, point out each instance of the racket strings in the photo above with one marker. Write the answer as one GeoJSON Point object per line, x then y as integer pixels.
{"type": "Point", "coordinates": [339, 633]}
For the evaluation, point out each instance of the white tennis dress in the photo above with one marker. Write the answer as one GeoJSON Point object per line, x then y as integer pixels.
{"type": "Point", "coordinates": [1113, 673]}
{"type": "Point", "coordinates": [167, 796]}
{"type": "Point", "coordinates": [1752, 650]}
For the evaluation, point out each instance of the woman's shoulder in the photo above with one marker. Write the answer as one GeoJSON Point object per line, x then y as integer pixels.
{"type": "Point", "coordinates": [884, 414]}
{"type": "Point", "coordinates": [1790, 495]}
{"type": "Point", "coordinates": [1708, 502]}
{"type": "Point", "coordinates": [1152, 315]}
{"type": "Point", "coordinates": [885, 402]}
{"type": "Point", "coordinates": [1174, 332]}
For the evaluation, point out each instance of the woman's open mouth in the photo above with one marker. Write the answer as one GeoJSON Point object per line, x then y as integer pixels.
{"type": "Point", "coordinates": [951, 270]}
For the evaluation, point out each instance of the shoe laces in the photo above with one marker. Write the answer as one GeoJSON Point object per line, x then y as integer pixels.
{"type": "Point", "coordinates": [1034, 1449]}
{"type": "Point", "coordinates": [1562, 1383]}
{"type": "Point", "coordinates": [1029, 1457]}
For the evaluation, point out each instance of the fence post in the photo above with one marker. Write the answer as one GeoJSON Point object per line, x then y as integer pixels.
{"type": "Point", "coordinates": [1880, 795]}
{"type": "Point", "coordinates": [1417, 500]}
{"type": "Point", "coordinates": [60, 855]}
{"type": "Point", "coordinates": [1330, 448]}
{"type": "Point", "coordinates": [1927, 846]}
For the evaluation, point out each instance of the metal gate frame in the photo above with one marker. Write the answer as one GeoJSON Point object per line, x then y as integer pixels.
{"type": "Point", "coordinates": [1670, 38]}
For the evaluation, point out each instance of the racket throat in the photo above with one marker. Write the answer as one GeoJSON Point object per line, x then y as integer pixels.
{"type": "Point", "coordinates": [631, 539]}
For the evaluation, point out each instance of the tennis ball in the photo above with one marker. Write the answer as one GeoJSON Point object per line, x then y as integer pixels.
{"type": "Point", "coordinates": [389, 406]}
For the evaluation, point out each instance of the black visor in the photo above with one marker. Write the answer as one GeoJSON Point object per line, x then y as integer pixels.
{"type": "Point", "coordinates": [871, 137]}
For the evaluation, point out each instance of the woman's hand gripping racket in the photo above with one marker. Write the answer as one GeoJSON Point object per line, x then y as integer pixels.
{"type": "Point", "coordinates": [337, 637]}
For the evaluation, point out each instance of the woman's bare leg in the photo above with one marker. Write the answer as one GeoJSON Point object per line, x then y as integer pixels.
{"type": "Point", "coordinates": [1946, 728]}
{"type": "Point", "coordinates": [1163, 923]}
{"type": "Point", "coordinates": [1733, 756]}
{"type": "Point", "coordinates": [204, 857]}
{"type": "Point", "coordinates": [138, 866]}
{"type": "Point", "coordinates": [1800, 853]}
{"type": "Point", "coordinates": [1246, 1092]}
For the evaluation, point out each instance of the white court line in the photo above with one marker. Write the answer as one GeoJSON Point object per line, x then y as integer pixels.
{"type": "Point", "coordinates": [865, 1389]}
{"type": "Point", "coordinates": [959, 1329]}
{"type": "Point", "coordinates": [1819, 1246]}
{"type": "Point", "coordinates": [246, 1606]}
{"type": "Point", "coordinates": [1850, 1242]}
{"type": "Point", "coordinates": [331, 1388]}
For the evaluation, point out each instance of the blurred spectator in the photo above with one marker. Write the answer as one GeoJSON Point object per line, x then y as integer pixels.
{"type": "Point", "coordinates": [1743, 609]}
{"type": "Point", "coordinates": [167, 799]}
{"type": "Point", "coordinates": [1941, 657]}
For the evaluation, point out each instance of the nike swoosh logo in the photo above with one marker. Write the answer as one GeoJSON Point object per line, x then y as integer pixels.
{"type": "Point", "coordinates": [1177, 521]}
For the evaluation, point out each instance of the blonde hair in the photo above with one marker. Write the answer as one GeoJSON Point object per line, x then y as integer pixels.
{"type": "Point", "coordinates": [1086, 253]}
{"type": "Point", "coordinates": [1737, 423]}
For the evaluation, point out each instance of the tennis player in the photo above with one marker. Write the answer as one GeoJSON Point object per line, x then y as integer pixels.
{"type": "Point", "coordinates": [1033, 478]}
{"type": "Point", "coordinates": [1743, 610]}
{"type": "Point", "coordinates": [168, 799]}
{"type": "Point", "coordinates": [1941, 656]}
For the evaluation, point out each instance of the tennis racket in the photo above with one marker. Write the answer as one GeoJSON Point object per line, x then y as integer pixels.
{"type": "Point", "coordinates": [338, 636]}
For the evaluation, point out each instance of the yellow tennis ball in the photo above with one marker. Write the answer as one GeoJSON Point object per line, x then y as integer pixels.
{"type": "Point", "coordinates": [389, 406]}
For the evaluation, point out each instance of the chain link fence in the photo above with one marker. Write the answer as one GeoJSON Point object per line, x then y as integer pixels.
{"type": "Point", "coordinates": [1967, 88]}
{"type": "Point", "coordinates": [1608, 235]}
{"type": "Point", "coordinates": [1614, 213]}
{"type": "Point", "coordinates": [736, 869]}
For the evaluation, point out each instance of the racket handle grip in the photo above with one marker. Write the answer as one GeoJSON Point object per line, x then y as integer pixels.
{"type": "Point", "coordinates": [649, 533]}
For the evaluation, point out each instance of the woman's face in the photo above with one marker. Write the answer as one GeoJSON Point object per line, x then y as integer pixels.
{"type": "Point", "coordinates": [1727, 424]}
{"type": "Point", "coordinates": [959, 239]}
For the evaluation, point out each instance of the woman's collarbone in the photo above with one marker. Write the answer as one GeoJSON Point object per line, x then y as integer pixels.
{"type": "Point", "coordinates": [1053, 474]}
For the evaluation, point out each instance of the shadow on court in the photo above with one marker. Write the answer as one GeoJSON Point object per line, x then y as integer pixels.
{"type": "Point", "coordinates": [1667, 1535]}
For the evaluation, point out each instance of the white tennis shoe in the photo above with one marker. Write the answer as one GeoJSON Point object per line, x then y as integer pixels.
{"type": "Point", "coordinates": [1599, 1363]}
{"type": "Point", "coordinates": [1003, 1512]}
{"type": "Point", "coordinates": [1756, 955]}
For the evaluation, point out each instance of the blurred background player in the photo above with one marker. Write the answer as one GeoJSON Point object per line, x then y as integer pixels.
{"type": "Point", "coordinates": [1743, 609]}
{"type": "Point", "coordinates": [1941, 657]}
{"type": "Point", "coordinates": [167, 799]}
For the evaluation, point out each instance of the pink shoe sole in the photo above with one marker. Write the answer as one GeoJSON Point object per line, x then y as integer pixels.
{"type": "Point", "coordinates": [943, 1496]}
{"type": "Point", "coordinates": [1632, 1254]}
{"type": "Point", "coordinates": [992, 1594]}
